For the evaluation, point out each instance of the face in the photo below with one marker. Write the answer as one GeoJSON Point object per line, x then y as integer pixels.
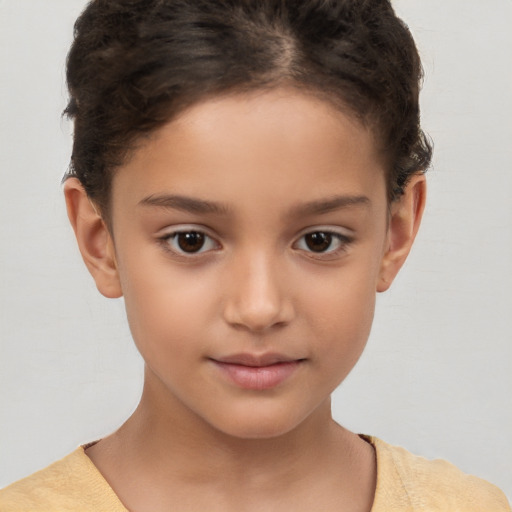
{"type": "Point", "coordinates": [249, 236]}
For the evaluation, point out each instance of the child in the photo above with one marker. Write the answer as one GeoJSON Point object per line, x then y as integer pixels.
{"type": "Point", "coordinates": [247, 175]}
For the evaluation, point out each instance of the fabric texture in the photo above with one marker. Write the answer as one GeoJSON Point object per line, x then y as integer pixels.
{"type": "Point", "coordinates": [405, 482]}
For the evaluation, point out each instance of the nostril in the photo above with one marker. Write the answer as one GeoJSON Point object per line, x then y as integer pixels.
{"type": "Point", "coordinates": [256, 298]}
{"type": "Point", "coordinates": [258, 318]}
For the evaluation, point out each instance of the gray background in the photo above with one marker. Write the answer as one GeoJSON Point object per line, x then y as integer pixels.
{"type": "Point", "coordinates": [437, 374]}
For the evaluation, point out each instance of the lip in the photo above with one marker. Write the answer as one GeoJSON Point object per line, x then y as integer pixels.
{"type": "Point", "coordinates": [257, 372]}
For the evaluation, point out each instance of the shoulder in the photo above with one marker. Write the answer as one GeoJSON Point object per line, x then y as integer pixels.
{"type": "Point", "coordinates": [409, 482]}
{"type": "Point", "coordinates": [70, 484]}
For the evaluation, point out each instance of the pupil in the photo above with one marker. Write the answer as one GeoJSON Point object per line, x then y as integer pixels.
{"type": "Point", "coordinates": [319, 241]}
{"type": "Point", "coordinates": [191, 241]}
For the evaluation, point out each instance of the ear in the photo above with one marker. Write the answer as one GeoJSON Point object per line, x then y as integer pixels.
{"type": "Point", "coordinates": [405, 218]}
{"type": "Point", "coordinates": [94, 239]}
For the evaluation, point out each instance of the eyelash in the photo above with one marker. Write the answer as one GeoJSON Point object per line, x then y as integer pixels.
{"type": "Point", "coordinates": [168, 238]}
{"type": "Point", "coordinates": [342, 243]}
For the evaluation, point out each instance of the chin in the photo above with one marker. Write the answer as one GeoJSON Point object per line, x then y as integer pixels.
{"type": "Point", "coordinates": [259, 424]}
{"type": "Point", "coordinates": [255, 432]}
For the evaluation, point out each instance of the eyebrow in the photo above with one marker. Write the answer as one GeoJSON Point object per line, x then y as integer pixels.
{"type": "Point", "coordinates": [185, 203]}
{"type": "Point", "coordinates": [322, 206]}
{"type": "Point", "coordinates": [201, 206]}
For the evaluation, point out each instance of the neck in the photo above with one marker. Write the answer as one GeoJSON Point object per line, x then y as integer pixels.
{"type": "Point", "coordinates": [165, 454]}
{"type": "Point", "coordinates": [164, 435]}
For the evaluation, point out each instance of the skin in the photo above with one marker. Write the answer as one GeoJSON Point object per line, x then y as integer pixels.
{"type": "Point", "coordinates": [278, 165]}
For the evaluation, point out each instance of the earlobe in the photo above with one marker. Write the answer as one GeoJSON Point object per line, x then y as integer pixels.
{"type": "Point", "coordinates": [404, 223]}
{"type": "Point", "coordinates": [94, 240]}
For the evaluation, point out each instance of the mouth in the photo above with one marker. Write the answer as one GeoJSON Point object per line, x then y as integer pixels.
{"type": "Point", "coordinates": [257, 372]}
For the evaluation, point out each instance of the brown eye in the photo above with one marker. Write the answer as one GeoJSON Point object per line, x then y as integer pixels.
{"type": "Point", "coordinates": [318, 241]}
{"type": "Point", "coordinates": [324, 244]}
{"type": "Point", "coordinates": [191, 241]}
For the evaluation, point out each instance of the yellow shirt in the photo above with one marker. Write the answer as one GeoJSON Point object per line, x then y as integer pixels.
{"type": "Point", "coordinates": [405, 482]}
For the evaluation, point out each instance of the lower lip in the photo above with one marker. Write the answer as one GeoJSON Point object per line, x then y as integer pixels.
{"type": "Point", "coordinates": [258, 377]}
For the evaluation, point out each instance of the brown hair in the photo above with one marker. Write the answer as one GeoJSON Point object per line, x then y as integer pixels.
{"type": "Point", "coordinates": [135, 64]}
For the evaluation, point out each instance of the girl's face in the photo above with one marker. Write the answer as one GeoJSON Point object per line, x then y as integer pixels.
{"type": "Point", "coordinates": [249, 238]}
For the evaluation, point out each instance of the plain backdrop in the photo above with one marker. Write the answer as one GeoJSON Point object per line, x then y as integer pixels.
{"type": "Point", "coordinates": [436, 377]}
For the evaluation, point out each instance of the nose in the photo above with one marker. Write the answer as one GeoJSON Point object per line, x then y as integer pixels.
{"type": "Point", "coordinates": [258, 298]}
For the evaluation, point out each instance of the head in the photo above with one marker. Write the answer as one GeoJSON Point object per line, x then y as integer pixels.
{"type": "Point", "coordinates": [135, 65]}
{"type": "Point", "coordinates": [248, 175]}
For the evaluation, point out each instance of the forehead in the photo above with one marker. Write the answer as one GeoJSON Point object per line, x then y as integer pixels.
{"type": "Point", "coordinates": [278, 145]}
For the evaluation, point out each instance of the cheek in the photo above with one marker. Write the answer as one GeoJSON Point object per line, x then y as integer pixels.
{"type": "Point", "coordinates": [165, 307]}
{"type": "Point", "coordinates": [341, 310]}
{"type": "Point", "coordinates": [346, 319]}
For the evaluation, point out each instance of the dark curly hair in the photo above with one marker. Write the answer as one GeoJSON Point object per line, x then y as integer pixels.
{"type": "Point", "coordinates": [135, 64]}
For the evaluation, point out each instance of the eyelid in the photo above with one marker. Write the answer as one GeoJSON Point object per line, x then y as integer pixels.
{"type": "Point", "coordinates": [344, 236]}
{"type": "Point", "coordinates": [322, 228]}
{"type": "Point", "coordinates": [183, 228]}
{"type": "Point", "coordinates": [170, 232]}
